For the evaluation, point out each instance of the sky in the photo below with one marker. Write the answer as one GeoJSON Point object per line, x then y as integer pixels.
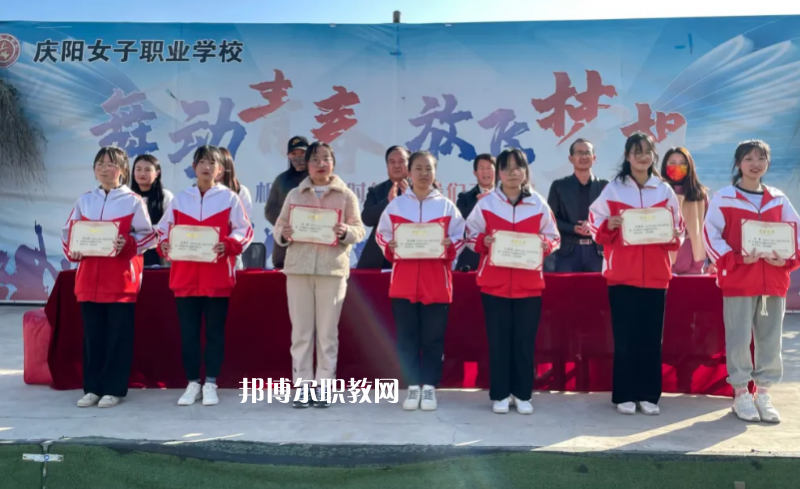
{"type": "Point", "coordinates": [379, 11]}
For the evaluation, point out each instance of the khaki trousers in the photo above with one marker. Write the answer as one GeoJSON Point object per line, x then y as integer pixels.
{"type": "Point", "coordinates": [315, 305]}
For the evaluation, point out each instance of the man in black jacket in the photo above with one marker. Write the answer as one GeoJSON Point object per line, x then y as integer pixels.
{"type": "Point", "coordinates": [484, 168]}
{"type": "Point", "coordinates": [281, 187]}
{"type": "Point", "coordinates": [570, 199]}
{"type": "Point", "coordinates": [378, 197]}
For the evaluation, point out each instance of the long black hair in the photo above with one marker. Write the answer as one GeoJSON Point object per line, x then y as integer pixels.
{"type": "Point", "coordinates": [693, 190]}
{"type": "Point", "coordinates": [229, 171]}
{"type": "Point", "coordinates": [636, 142]}
{"type": "Point", "coordinates": [155, 196]}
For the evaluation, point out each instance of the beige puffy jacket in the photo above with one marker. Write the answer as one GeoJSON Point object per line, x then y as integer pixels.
{"type": "Point", "coordinates": [315, 259]}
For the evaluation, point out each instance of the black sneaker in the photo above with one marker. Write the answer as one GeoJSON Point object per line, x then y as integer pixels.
{"type": "Point", "coordinates": [302, 404]}
{"type": "Point", "coordinates": [318, 401]}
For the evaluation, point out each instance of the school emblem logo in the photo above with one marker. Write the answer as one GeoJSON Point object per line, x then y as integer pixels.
{"type": "Point", "coordinates": [9, 50]}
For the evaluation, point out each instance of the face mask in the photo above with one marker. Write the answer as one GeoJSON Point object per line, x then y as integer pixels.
{"type": "Point", "coordinates": [676, 173]}
{"type": "Point", "coordinates": [298, 162]}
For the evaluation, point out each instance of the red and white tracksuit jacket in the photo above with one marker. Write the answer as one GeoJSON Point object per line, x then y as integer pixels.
{"type": "Point", "coordinates": [723, 239]}
{"type": "Point", "coordinates": [115, 278]}
{"type": "Point", "coordinates": [496, 213]}
{"type": "Point", "coordinates": [425, 281]}
{"type": "Point", "coordinates": [218, 207]}
{"type": "Point", "coordinates": [646, 266]}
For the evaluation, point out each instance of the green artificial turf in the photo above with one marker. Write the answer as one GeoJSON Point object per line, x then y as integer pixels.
{"type": "Point", "coordinates": [98, 467]}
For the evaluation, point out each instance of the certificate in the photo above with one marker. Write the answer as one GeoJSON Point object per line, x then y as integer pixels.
{"type": "Point", "coordinates": [193, 243]}
{"type": "Point", "coordinates": [766, 237]}
{"type": "Point", "coordinates": [314, 224]}
{"type": "Point", "coordinates": [93, 238]}
{"type": "Point", "coordinates": [647, 226]}
{"type": "Point", "coordinates": [516, 250]}
{"type": "Point", "coordinates": [419, 241]}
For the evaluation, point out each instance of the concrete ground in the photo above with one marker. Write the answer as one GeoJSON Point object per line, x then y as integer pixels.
{"type": "Point", "coordinates": [561, 422]}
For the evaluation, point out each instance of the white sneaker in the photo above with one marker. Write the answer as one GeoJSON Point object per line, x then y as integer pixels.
{"type": "Point", "coordinates": [765, 408]}
{"type": "Point", "coordinates": [523, 407]}
{"type": "Point", "coordinates": [745, 408]}
{"type": "Point", "coordinates": [108, 401]}
{"type": "Point", "coordinates": [428, 398]}
{"type": "Point", "coordinates": [501, 407]}
{"type": "Point", "coordinates": [210, 397]}
{"type": "Point", "coordinates": [412, 399]}
{"type": "Point", "coordinates": [191, 394]}
{"type": "Point", "coordinates": [649, 408]}
{"type": "Point", "coordinates": [626, 408]}
{"type": "Point", "coordinates": [88, 400]}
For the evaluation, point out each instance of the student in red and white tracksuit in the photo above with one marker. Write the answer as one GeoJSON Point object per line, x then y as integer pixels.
{"type": "Point", "coordinates": [202, 289]}
{"type": "Point", "coordinates": [421, 290]}
{"type": "Point", "coordinates": [107, 287]}
{"type": "Point", "coordinates": [637, 275]}
{"type": "Point", "coordinates": [754, 285]}
{"type": "Point", "coordinates": [512, 297]}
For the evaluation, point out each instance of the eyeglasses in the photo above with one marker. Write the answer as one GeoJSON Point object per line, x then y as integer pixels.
{"type": "Point", "coordinates": [646, 154]}
{"type": "Point", "coordinates": [583, 153]}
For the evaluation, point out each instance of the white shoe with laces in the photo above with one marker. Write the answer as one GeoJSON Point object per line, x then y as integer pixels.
{"type": "Point", "coordinates": [190, 395]}
{"type": "Point", "coordinates": [766, 410]}
{"type": "Point", "coordinates": [210, 397]}
{"type": "Point", "coordinates": [626, 408]}
{"type": "Point", "coordinates": [649, 408]}
{"type": "Point", "coordinates": [523, 407]}
{"type": "Point", "coordinates": [428, 398]}
{"type": "Point", "coordinates": [501, 407]}
{"type": "Point", "coordinates": [412, 398]}
{"type": "Point", "coordinates": [108, 401]}
{"type": "Point", "coordinates": [88, 400]}
{"type": "Point", "coordinates": [745, 408]}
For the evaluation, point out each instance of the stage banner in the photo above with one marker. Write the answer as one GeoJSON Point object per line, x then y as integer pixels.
{"type": "Point", "coordinates": [456, 90]}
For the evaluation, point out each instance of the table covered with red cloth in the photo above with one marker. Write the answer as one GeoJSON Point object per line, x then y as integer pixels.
{"type": "Point", "coordinates": [574, 346]}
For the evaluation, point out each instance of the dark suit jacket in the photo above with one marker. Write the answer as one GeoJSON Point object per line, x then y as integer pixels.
{"type": "Point", "coordinates": [466, 202]}
{"type": "Point", "coordinates": [564, 199]}
{"type": "Point", "coordinates": [374, 204]}
{"type": "Point", "coordinates": [284, 183]}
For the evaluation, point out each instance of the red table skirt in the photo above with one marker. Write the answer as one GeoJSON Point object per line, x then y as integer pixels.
{"type": "Point", "coordinates": [574, 346]}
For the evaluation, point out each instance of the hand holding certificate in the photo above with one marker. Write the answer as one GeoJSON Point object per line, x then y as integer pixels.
{"type": "Point", "coordinates": [517, 250]}
{"type": "Point", "coordinates": [314, 225]}
{"type": "Point", "coordinates": [419, 241]}
{"type": "Point", "coordinates": [768, 238]}
{"type": "Point", "coordinates": [652, 225]}
{"type": "Point", "coordinates": [93, 238]}
{"type": "Point", "coordinates": [193, 243]}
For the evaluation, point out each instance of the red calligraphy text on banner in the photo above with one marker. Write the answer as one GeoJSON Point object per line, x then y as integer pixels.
{"type": "Point", "coordinates": [336, 117]}
{"type": "Point", "coordinates": [665, 123]}
{"type": "Point", "coordinates": [584, 113]}
{"type": "Point", "coordinates": [274, 92]}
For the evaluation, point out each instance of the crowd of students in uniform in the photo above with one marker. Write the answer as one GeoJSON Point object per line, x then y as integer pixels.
{"type": "Point", "coordinates": [580, 229]}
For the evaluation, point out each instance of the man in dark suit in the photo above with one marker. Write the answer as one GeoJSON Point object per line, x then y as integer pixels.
{"type": "Point", "coordinates": [484, 168]}
{"type": "Point", "coordinates": [570, 199]}
{"type": "Point", "coordinates": [378, 197]}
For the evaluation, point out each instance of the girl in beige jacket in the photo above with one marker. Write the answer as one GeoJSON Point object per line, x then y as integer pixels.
{"type": "Point", "coordinates": [316, 274]}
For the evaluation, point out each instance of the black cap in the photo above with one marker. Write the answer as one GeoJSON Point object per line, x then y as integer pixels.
{"type": "Point", "coordinates": [297, 142]}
